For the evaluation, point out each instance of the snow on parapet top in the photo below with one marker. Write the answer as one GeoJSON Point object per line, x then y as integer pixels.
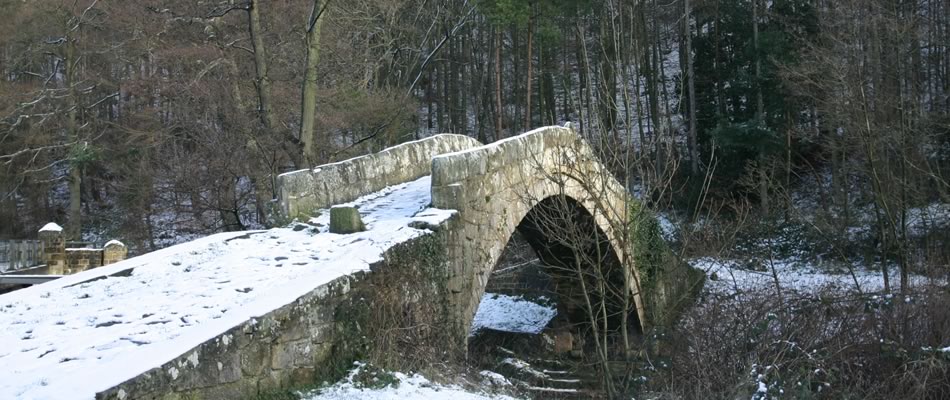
{"type": "Point", "coordinates": [496, 144]}
{"type": "Point", "coordinates": [51, 227]}
{"type": "Point", "coordinates": [322, 166]}
{"type": "Point", "coordinates": [76, 336]}
{"type": "Point", "coordinates": [114, 242]}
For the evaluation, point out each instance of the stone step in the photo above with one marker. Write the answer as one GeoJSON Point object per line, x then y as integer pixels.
{"type": "Point", "coordinates": [547, 378]}
{"type": "Point", "coordinates": [534, 377]}
{"type": "Point", "coordinates": [541, 392]}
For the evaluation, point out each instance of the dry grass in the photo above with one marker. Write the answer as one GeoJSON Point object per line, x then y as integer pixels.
{"type": "Point", "coordinates": [825, 345]}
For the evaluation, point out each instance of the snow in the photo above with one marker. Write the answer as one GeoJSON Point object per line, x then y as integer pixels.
{"type": "Point", "coordinates": [792, 275]}
{"type": "Point", "coordinates": [114, 242]}
{"type": "Point", "coordinates": [338, 163]}
{"type": "Point", "coordinates": [406, 387]}
{"type": "Point", "coordinates": [493, 146]}
{"type": "Point", "coordinates": [931, 218]}
{"type": "Point", "coordinates": [495, 378]}
{"type": "Point", "coordinates": [551, 390]}
{"type": "Point", "coordinates": [51, 227]}
{"type": "Point", "coordinates": [667, 227]}
{"type": "Point", "coordinates": [525, 367]}
{"type": "Point", "coordinates": [85, 333]}
{"type": "Point", "coordinates": [511, 314]}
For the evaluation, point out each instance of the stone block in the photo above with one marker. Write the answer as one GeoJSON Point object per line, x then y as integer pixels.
{"type": "Point", "coordinates": [78, 260]}
{"type": "Point", "coordinates": [54, 248]}
{"type": "Point", "coordinates": [344, 220]}
{"type": "Point", "coordinates": [254, 359]}
{"type": "Point", "coordinates": [292, 354]}
{"type": "Point", "coordinates": [113, 252]}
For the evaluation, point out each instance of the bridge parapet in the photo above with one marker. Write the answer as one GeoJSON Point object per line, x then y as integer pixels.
{"type": "Point", "coordinates": [304, 191]}
{"type": "Point", "coordinates": [465, 164]}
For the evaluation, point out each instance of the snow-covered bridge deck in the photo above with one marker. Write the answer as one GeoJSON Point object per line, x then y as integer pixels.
{"type": "Point", "coordinates": [86, 333]}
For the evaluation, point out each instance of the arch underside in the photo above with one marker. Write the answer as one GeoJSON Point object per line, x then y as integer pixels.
{"type": "Point", "coordinates": [567, 240]}
{"type": "Point", "coordinates": [566, 225]}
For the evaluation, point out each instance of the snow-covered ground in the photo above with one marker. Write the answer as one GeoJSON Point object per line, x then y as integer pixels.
{"type": "Point", "coordinates": [511, 314]}
{"type": "Point", "coordinates": [404, 387]}
{"type": "Point", "coordinates": [728, 276]}
{"type": "Point", "coordinates": [84, 333]}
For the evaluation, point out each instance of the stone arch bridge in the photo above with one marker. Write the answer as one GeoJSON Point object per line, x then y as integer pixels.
{"type": "Point", "coordinates": [502, 187]}
{"type": "Point", "coordinates": [249, 314]}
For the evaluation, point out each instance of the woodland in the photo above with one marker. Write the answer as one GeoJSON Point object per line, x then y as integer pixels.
{"type": "Point", "coordinates": [760, 129]}
{"type": "Point", "coordinates": [127, 118]}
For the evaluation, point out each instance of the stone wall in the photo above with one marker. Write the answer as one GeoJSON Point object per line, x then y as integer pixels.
{"type": "Point", "coordinates": [54, 251]}
{"type": "Point", "coordinates": [66, 261]}
{"type": "Point", "coordinates": [391, 316]}
{"type": "Point", "coordinates": [78, 260]}
{"type": "Point", "coordinates": [302, 192]}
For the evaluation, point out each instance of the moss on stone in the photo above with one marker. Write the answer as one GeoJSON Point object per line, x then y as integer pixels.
{"type": "Point", "coordinates": [668, 283]}
{"type": "Point", "coordinates": [402, 296]}
{"type": "Point", "coordinates": [345, 220]}
{"type": "Point", "coordinates": [410, 310]}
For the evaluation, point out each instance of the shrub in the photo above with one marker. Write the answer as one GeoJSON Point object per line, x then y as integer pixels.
{"type": "Point", "coordinates": [824, 345]}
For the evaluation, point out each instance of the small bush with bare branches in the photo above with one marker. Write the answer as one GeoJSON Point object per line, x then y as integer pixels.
{"type": "Point", "coordinates": [824, 344]}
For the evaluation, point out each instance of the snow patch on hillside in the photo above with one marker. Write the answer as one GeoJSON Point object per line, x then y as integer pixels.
{"type": "Point", "coordinates": [404, 387]}
{"type": "Point", "coordinates": [730, 276]}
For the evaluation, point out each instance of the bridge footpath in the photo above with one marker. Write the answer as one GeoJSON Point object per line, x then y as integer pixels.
{"type": "Point", "coordinates": [90, 332]}
{"type": "Point", "coordinates": [226, 316]}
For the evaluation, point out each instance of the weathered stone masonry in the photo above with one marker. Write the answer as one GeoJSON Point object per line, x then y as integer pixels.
{"type": "Point", "coordinates": [392, 315]}
{"type": "Point", "coordinates": [61, 260]}
{"type": "Point", "coordinates": [380, 315]}
{"type": "Point", "coordinates": [493, 188]}
{"type": "Point", "coordinates": [302, 192]}
{"type": "Point", "coordinates": [415, 307]}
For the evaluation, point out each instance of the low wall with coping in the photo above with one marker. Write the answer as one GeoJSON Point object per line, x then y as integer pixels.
{"type": "Point", "coordinates": [304, 191]}
{"type": "Point", "coordinates": [61, 260]}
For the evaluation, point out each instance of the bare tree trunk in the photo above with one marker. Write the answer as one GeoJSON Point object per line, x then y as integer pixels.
{"type": "Point", "coordinates": [462, 90]}
{"type": "Point", "coordinates": [499, 110]}
{"type": "Point", "coordinates": [309, 97]}
{"type": "Point", "coordinates": [583, 75]}
{"type": "Point", "coordinates": [691, 87]}
{"type": "Point", "coordinates": [530, 66]}
{"type": "Point", "coordinates": [608, 77]}
{"type": "Point", "coordinates": [74, 228]}
{"type": "Point", "coordinates": [759, 109]}
{"type": "Point", "coordinates": [260, 63]}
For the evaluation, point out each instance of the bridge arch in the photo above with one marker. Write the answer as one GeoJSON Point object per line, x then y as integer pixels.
{"type": "Point", "coordinates": [579, 261]}
{"type": "Point", "coordinates": [495, 188]}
